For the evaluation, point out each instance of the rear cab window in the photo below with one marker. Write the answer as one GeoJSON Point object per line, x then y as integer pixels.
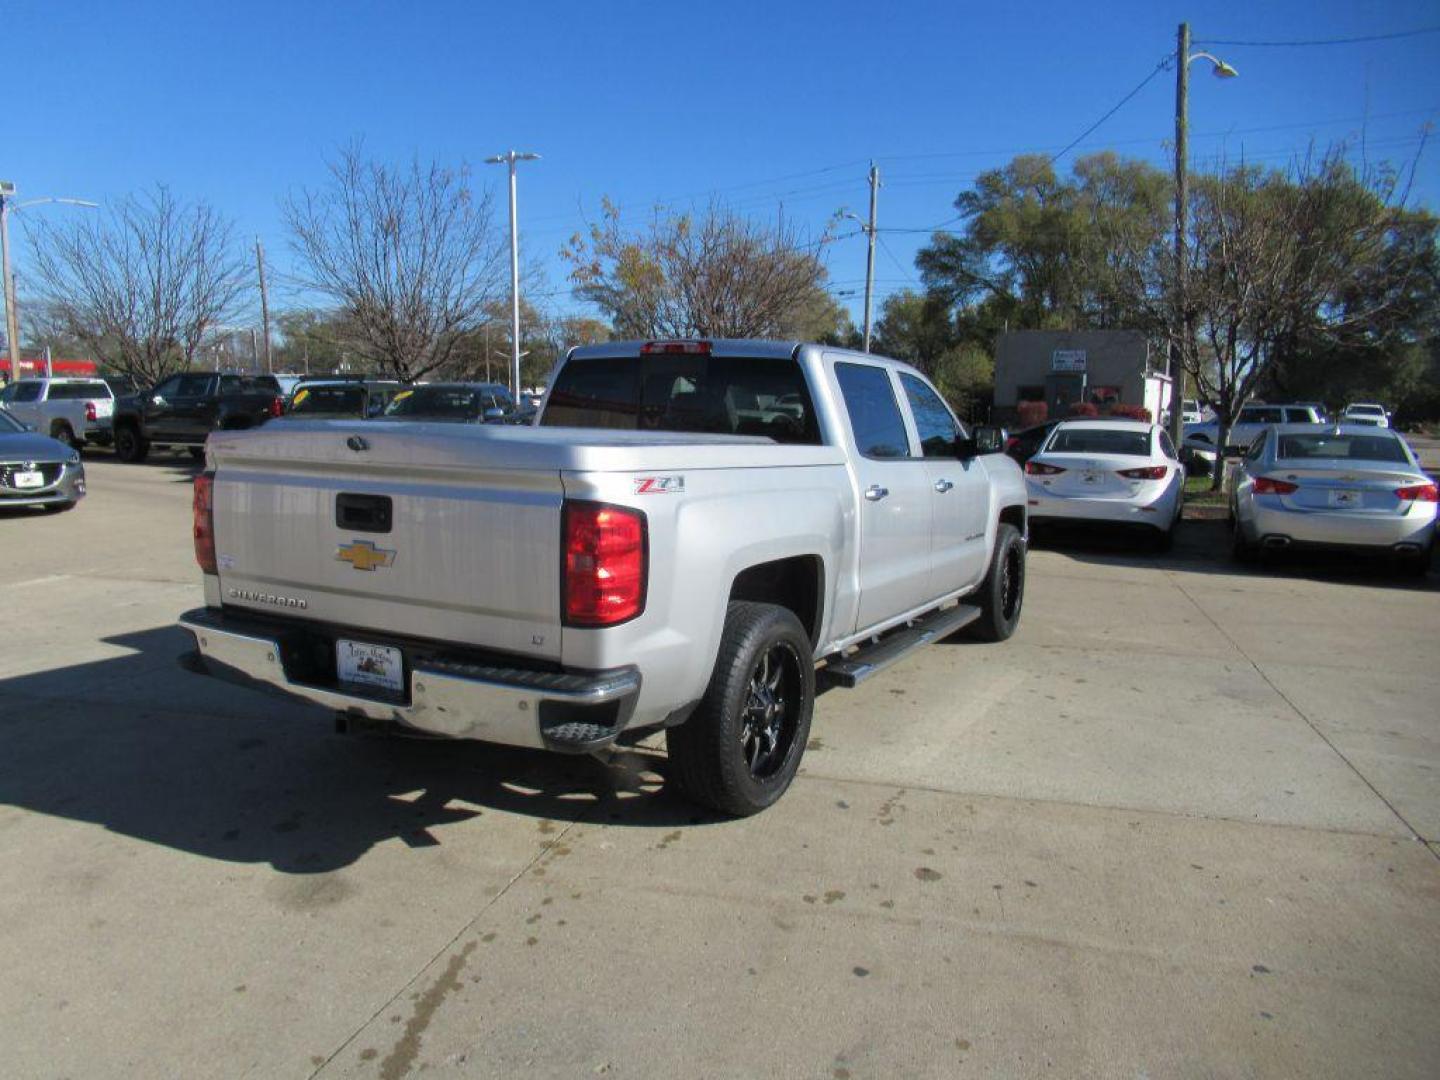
{"type": "Point", "coordinates": [700, 393]}
{"type": "Point", "coordinates": [79, 391]}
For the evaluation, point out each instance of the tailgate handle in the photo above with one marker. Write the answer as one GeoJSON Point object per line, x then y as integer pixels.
{"type": "Point", "coordinates": [363, 513]}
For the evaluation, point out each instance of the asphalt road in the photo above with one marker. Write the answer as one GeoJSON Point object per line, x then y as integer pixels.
{"type": "Point", "coordinates": [1186, 823]}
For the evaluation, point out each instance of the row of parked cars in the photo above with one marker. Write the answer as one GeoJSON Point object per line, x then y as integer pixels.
{"type": "Point", "coordinates": [47, 423]}
{"type": "Point", "coordinates": [1299, 483]}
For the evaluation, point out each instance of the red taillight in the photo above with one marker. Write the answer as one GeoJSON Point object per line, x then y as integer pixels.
{"type": "Point", "coordinates": [204, 527]}
{"type": "Point", "coordinates": [90, 414]}
{"type": "Point", "coordinates": [1417, 493]}
{"type": "Point", "coordinates": [1039, 468]}
{"type": "Point", "coordinates": [689, 348]}
{"type": "Point", "coordinates": [1264, 485]}
{"type": "Point", "coordinates": [277, 407]}
{"type": "Point", "coordinates": [604, 564]}
{"type": "Point", "coordinates": [1150, 472]}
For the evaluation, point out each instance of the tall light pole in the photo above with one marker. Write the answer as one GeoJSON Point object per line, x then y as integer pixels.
{"type": "Point", "coordinates": [1183, 59]}
{"type": "Point", "coordinates": [12, 315]}
{"type": "Point", "coordinates": [510, 158]}
{"type": "Point", "coordinates": [868, 228]}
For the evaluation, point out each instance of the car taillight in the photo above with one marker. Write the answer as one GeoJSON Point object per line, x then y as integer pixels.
{"type": "Point", "coordinates": [1264, 485]}
{"type": "Point", "coordinates": [90, 415]}
{"type": "Point", "coordinates": [204, 527]}
{"type": "Point", "coordinates": [1417, 493]}
{"type": "Point", "coordinates": [1150, 472]}
{"type": "Point", "coordinates": [605, 555]}
{"type": "Point", "coordinates": [1039, 468]}
{"type": "Point", "coordinates": [690, 348]}
{"type": "Point", "coordinates": [277, 407]}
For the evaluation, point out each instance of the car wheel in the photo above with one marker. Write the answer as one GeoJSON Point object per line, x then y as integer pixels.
{"type": "Point", "coordinates": [739, 750]}
{"type": "Point", "coordinates": [1240, 548]}
{"type": "Point", "coordinates": [129, 446]}
{"type": "Point", "coordinates": [60, 507]}
{"type": "Point", "coordinates": [1002, 594]}
{"type": "Point", "coordinates": [198, 453]}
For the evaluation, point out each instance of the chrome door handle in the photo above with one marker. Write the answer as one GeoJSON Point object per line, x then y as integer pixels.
{"type": "Point", "coordinates": [943, 486]}
{"type": "Point", "coordinates": [875, 492]}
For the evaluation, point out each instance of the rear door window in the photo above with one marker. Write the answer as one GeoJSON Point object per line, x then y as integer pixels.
{"type": "Point", "coordinates": [874, 413]}
{"type": "Point", "coordinates": [721, 395]}
{"type": "Point", "coordinates": [1298, 416]}
{"type": "Point", "coordinates": [1262, 416]}
{"type": "Point", "coordinates": [194, 386]}
{"type": "Point", "coordinates": [27, 391]}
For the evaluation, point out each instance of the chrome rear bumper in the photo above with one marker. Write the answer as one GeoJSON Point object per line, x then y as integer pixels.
{"type": "Point", "coordinates": [454, 698]}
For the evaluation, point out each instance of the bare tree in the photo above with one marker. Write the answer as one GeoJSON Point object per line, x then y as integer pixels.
{"type": "Point", "coordinates": [144, 284]}
{"type": "Point", "coordinates": [410, 256]}
{"type": "Point", "coordinates": [720, 275]}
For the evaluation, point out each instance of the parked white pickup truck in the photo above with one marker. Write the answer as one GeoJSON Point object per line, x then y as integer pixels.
{"type": "Point", "coordinates": [75, 411]}
{"type": "Point", "coordinates": [689, 530]}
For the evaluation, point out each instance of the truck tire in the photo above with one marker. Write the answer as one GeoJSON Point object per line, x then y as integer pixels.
{"type": "Point", "coordinates": [739, 750]}
{"type": "Point", "coordinates": [198, 453]}
{"type": "Point", "coordinates": [1002, 593]}
{"type": "Point", "coordinates": [61, 432]}
{"type": "Point", "coordinates": [130, 445]}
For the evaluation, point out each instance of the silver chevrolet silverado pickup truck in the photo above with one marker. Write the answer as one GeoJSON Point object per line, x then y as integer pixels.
{"type": "Point", "coordinates": [689, 536]}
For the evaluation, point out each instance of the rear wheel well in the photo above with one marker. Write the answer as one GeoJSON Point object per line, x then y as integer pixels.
{"type": "Point", "coordinates": [796, 583]}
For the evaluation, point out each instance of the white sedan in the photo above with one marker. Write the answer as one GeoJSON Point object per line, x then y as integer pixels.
{"type": "Point", "coordinates": [1124, 472]}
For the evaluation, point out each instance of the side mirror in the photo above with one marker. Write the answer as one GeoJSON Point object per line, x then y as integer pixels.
{"type": "Point", "coordinates": [157, 400]}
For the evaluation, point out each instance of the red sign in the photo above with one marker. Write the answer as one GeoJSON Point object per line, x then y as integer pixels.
{"type": "Point", "coordinates": [33, 368]}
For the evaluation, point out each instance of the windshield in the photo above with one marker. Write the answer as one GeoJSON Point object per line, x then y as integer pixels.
{"type": "Point", "coordinates": [329, 399]}
{"type": "Point", "coordinates": [8, 424]}
{"type": "Point", "coordinates": [724, 395]}
{"type": "Point", "coordinates": [1099, 441]}
{"type": "Point", "coordinates": [1342, 448]}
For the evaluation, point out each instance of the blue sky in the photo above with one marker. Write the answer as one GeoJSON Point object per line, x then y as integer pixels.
{"type": "Point", "coordinates": [762, 104]}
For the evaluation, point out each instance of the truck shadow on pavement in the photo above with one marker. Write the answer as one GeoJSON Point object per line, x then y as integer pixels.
{"type": "Point", "coordinates": [141, 747]}
{"type": "Point", "coordinates": [1203, 547]}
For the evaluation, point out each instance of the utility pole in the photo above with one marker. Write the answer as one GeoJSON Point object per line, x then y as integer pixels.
{"type": "Point", "coordinates": [510, 158]}
{"type": "Point", "coordinates": [264, 302]}
{"type": "Point", "coordinates": [254, 350]}
{"type": "Point", "coordinates": [12, 322]}
{"type": "Point", "coordinates": [870, 249]}
{"type": "Point", "coordinates": [487, 352]}
{"type": "Point", "coordinates": [1182, 271]}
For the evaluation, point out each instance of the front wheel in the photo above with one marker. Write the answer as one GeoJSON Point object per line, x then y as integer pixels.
{"type": "Point", "coordinates": [740, 749]}
{"type": "Point", "coordinates": [130, 447]}
{"type": "Point", "coordinates": [1002, 593]}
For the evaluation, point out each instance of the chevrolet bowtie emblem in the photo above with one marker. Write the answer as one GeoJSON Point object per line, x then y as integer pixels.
{"type": "Point", "coordinates": [363, 555]}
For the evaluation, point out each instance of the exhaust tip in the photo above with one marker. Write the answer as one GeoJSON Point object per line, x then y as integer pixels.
{"type": "Point", "coordinates": [1276, 542]}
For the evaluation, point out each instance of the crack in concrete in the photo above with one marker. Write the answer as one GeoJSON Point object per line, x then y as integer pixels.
{"type": "Point", "coordinates": [1414, 833]}
{"type": "Point", "coordinates": [443, 983]}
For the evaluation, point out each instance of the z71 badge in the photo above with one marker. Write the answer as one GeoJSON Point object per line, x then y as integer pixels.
{"type": "Point", "coordinates": [659, 485]}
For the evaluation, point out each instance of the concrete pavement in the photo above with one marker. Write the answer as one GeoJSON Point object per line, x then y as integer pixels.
{"type": "Point", "coordinates": [1175, 828]}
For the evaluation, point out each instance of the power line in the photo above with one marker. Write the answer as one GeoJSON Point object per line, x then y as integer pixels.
{"type": "Point", "coordinates": [1161, 66]}
{"type": "Point", "coordinates": [1321, 41]}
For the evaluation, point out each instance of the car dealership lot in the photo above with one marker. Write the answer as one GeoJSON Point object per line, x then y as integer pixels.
{"type": "Point", "coordinates": [1170, 829]}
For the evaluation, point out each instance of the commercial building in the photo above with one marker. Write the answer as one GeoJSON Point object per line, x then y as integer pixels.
{"type": "Point", "coordinates": [1064, 368]}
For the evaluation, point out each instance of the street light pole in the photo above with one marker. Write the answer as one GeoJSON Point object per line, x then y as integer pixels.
{"type": "Point", "coordinates": [868, 228]}
{"type": "Point", "coordinates": [12, 314]}
{"type": "Point", "coordinates": [510, 158]}
{"type": "Point", "coordinates": [1182, 204]}
{"type": "Point", "coordinates": [12, 327]}
{"type": "Point", "coordinates": [1179, 348]}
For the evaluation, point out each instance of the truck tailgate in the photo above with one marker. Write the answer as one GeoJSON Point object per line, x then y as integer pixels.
{"type": "Point", "coordinates": [402, 537]}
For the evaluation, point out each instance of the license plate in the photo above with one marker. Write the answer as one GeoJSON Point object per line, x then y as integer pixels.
{"type": "Point", "coordinates": [1345, 498]}
{"type": "Point", "coordinates": [361, 664]}
{"type": "Point", "coordinates": [1092, 477]}
{"type": "Point", "coordinates": [29, 480]}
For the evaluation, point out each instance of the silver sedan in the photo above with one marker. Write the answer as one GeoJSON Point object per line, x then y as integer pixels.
{"type": "Point", "coordinates": [1344, 486]}
{"type": "Point", "coordinates": [36, 470]}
